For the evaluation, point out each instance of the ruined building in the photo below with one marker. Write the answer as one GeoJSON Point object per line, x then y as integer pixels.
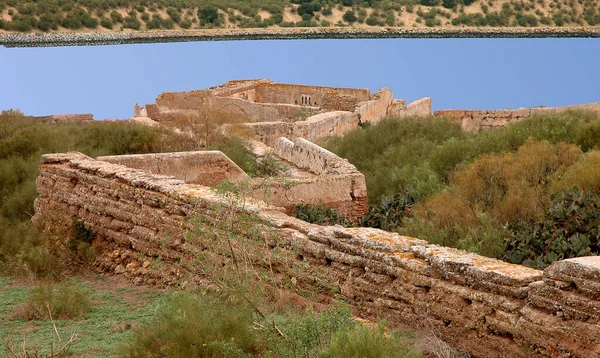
{"type": "Point", "coordinates": [140, 207]}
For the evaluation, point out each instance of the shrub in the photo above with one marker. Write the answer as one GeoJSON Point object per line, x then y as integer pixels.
{"type": "Point", "coordinates": [268, 166]}
{"type": "Point", "coordinates": [349, 16]}
{"type": "Point", "coordinates": [390, 211]}
{"type": "Point", "coordinates": [208, 15]}
{"type": "Point", "coordinates": [189, 325]}
{"type": "Point", "coordinates": [186, 24]}
{"type": "Point", "coordinates": [368, 342]}
{"type": "Point", "coordinates": [235, 149]}
{"type": "Point", "coordinates": [585, 174]}
{"type": "Point", "coordinates": [320, 215]}
{"type": "Point", "coordinates": [571, 228]}
{"type": "Point", "coordinates": [116, 17]}
{"type": "Point", "coordinates": [132, 22]}
{"type": "Point", "coordinates": [309, 333]}
{"type": "Point", "coordinates": [67, 300]}
{"type": "Point", "coordinates": [106, 22]}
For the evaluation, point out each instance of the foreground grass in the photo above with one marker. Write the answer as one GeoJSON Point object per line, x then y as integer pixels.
{"type": "Point", "coordinates": [99, 331]}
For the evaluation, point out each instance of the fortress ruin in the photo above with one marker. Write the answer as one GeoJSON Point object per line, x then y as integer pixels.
{"type": "Point", "coordinates": [140, 207]}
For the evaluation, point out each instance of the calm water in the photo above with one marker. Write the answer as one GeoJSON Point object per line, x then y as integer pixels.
{"type": "Point", "coordinates": [457, 73]}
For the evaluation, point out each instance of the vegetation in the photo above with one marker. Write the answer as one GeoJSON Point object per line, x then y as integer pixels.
{"type": "Point", "coordinates": [321, 215]}
{"type": "Point", "coordinates": [504, 193]}
{"type": "Point", "coordinates": [49, 15]}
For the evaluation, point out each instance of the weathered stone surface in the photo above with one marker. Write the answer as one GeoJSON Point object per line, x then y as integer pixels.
{"type": "Point", "coordinates": [477, 120]}
{"type": "Point", "coordinates": [482, 306]}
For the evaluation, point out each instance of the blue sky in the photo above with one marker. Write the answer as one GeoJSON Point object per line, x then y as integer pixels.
{"type": "Point", "coordinates": [457, 73]}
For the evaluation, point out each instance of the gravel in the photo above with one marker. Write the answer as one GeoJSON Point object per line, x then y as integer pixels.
{"type": "Point", "coordinates": [94, 39]}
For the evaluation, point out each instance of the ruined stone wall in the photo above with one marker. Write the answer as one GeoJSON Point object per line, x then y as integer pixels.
{"type": "Point", "coordinates": [477, 120]}
{"type": "Point", "coordinates": [312, 129]}
{"type": "Point", "coordinates": [236, 108]}
{"type": "Point", "coordinates": [483, 306]}
{"type": "Point", "coordinates": [336, 183]}
{"type": "Point", "coordinates": [65, 118]}
{"type": "Point", "coordinates": [374, 110]}
{"type": "Point", "coordinates": [206, 167]}
{"type": "Point", "coordinates": [344, 99]}
{"type": "Point", "coordinates": [420, 108]}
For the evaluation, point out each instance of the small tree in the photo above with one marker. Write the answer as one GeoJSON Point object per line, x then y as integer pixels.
{"type": "Point", "coordinates": [350, 17]}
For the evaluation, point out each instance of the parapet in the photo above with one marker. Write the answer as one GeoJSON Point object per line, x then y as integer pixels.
{"type": "Point", "coordinates": [477, 120]}
{"type": "Point", "coordinates": [272, 110]}
{"type": "Point", "coordinates": [479, 305]}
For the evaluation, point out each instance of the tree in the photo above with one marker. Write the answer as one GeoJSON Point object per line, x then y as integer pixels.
{"type": "Point", "coordinates": [208, 15]}
{"type": "Point", "coordinates": [350, 16]}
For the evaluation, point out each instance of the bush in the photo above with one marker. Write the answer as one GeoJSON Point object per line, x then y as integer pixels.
{"type": "Point", "coordinates": [571, 228]}
{"type": "Point", "coordinates": [67, 300]}
{"type": "Point", "coordinates": [208, 15]}
{"type": "Point", "coordinates": [186, 24]}
{"type": "Point", "coordinates": [349, 16]}
{"type": "Point", "coordinates": [116, 17]}
{"type": "Point", "coordinates": [390, 211]}
{"type": "Point", "coordinates": [320, 215]}
{"type": "Point", "coordinates": [190, 325]}
{"type": "Point", "coordinates": [368, 342]}
{"type": "Point", "coordinates": [106, 22]}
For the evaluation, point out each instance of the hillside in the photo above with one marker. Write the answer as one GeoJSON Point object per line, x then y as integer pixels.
{"type": "Point", "coordinates": [52, 16]}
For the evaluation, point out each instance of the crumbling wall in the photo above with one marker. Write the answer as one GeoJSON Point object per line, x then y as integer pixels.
{"type": "Point", "coordinates": [314, 128]}
{"type": "Point", "coordinates": [419, 108]}
{"type": "Point", "coordinates": [343, 99]}
{"type": "Point", "coordinates": [374, 110]}
{"type": "Point", "coordinates": [75, 118]}
{"type": "Point", "coordinates": [237, 108]}
{"type": "Point", "coordinates": [483, 306]}
{"type": "Point", "coordinates": [336, 183]}
{"type": "Point", "coordinates": [206, 167]}
{"type": "Point", "coordinates": [477, 120]}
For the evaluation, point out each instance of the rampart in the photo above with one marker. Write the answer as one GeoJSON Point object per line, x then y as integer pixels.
{"type": "Point", "coordinates": [483, 306]}
{"type": "Point", "coordinates": [206, 168]}
{"type": "Point", "coordinates": [323, 178]}
{"type": "Point", "coordinates": [477, 120]}
{"type": "Point", "coordinates": [65, 118]}
{"type": "Point", "coordinates": [273, 110]}
{"type": "Point", "coordinates": [312, 175]}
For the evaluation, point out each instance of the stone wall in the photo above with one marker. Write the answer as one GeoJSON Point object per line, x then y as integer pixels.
{"type": "Point", "coordinates": [65, 118]}
{"type": "Point", "coordinates": [483, 306]}
{"type": "Point", "coordinates": [206, 168]}
{"type": "Point", "coordinates": [331, 98]}
{"type": "Point", "coordinates": [477, 120]}
{"type": "Point", "coordinates": [374, 110]}
{"type": "Point", "coordinates": [336, 183]}
{"type": "Point", "coordinates": [238, 110]}
{"type": "Point", "coordinates": [312, 129]}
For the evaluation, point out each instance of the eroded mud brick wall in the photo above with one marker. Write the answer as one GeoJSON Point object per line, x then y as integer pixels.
{"type": "Point", "coordinates": [206, 167]}
{"type": "Point", "coordinates": [477, 120]}
{"type": "Point", "coordinates": [336, 183]}
{"type": "Point", "coordinates": [479, 305]}
{"type": "Point", "coordinates": [342, 99]}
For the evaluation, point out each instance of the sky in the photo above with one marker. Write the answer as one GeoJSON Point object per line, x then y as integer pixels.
{"type": "Point", "coordinates": [457, 73]}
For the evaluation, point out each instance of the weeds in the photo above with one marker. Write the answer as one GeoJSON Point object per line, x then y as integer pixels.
{"type": "Point", "coordinates": [66, 300]}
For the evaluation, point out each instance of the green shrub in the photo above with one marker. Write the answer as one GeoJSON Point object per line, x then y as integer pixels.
{"type": "Point", "coordinates": [571, 228]}
{"type": "Point", "coordinates": [268, 166]}
{"type": "Point", "coordinates": [349, 16]}
{"type": "Point", "coordinates": [235, 149]}
{"type": "Point", "coordinates": [368, 342]}
{"type": "Point", "coordinates": [319, 214]}
{"type": "Point", "coordinates": [67, 300]}
{"type": "Point", "coordinates": [309, 333]}
{"type": "Point", "coordinates": [388, 214]}
{"type": "Point", "coordinates": [106, 22]}
{"type": "Point", "coordinates": [189, 325]}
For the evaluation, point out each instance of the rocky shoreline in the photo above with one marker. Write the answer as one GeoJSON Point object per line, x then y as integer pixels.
{"type": "Point", "coordinates": [115, 38]}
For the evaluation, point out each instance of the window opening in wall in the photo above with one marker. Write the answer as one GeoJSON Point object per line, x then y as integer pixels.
{"type": "Point", "coordinates": [305, 100]}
